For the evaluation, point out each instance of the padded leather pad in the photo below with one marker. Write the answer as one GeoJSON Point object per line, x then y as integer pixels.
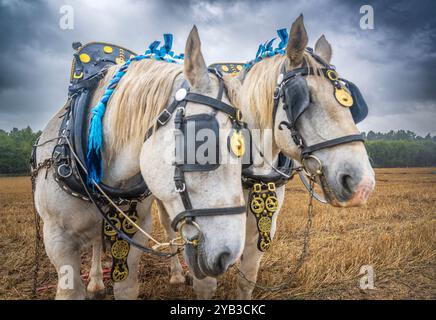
{"type": "Point", "coordinates": [198, 130]}
{"type": "Point", "coordinates": [297, 97]}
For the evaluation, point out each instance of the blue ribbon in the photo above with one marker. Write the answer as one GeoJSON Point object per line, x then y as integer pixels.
{"type": "Point", "coordinates": [168, 42]}
{"type": "Point", "coordinates": [94, 160]}
{"type": "Point", "coordinates": [283, 35]}
{"type": "Point", "coordinates": [267, 50]}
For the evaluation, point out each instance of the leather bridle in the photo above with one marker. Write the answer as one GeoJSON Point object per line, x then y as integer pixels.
{"type": "Point", "coordinates": [178, 106]}
{"type": "Point", "coordinates": [285, 78]}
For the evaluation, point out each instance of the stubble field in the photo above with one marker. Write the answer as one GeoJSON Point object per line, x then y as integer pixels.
{"type": "Point", "coordinates": [394, 234]}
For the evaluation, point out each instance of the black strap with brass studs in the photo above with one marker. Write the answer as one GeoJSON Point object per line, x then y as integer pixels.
{"type": "Point", "coordinates": [120, 248]}
{"type": "Point", "coordinates": [263, 205]}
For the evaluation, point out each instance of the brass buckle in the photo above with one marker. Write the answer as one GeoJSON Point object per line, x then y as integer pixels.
{"type": "Point", "coordinates": [238, 115]}
{"type": "Point", "coordinates": [332, 75]}
{"type": "Point", "coordinates": [271, 186]}
{"type": "Point", "coordinates": [257, 187]}
{"type": "Point", "coordinates": [78, 76]}
{"type": "Point", "coordinates": [165, 113]}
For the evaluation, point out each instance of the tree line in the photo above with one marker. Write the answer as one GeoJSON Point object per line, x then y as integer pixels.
{"type": "Point", "coordinates": [392, 149]}
{"type": "Point", "coordinates": [15, 149]}
{"type": "Point", "coordinates": [400, 149]}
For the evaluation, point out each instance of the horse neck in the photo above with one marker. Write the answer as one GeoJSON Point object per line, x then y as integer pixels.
{"type": "Point", "coordinates": [121, 165]}
{"type": "Point", "coordinates": [263, 138]}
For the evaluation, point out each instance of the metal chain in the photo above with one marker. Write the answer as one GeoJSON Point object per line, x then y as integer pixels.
{"type": "Point", "coordinates": [303, 254]}
{"type": "Point", "coordinates": [37, 220]}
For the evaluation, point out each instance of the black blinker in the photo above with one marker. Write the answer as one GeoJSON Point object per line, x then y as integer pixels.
{"type": "Point", "coordinates": [359, 110]}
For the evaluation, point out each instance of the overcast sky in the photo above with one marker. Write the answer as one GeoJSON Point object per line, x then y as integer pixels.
{"type": "Point", "coordinates": [394, 64]}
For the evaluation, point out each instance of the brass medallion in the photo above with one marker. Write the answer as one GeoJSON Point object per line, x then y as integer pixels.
{"type": "Point", "coordinates": [272, 204]}
{"type": "Point", "coordinates": [264, 224]}
{"type": "Point", "coordinates": [237, 144]}
{"type": "Point", "coordinates": [120, 249]}
{"type": "Point", "coordinates": [263, 204]}
{"type": "Point", "coordinates": [343, 97]}
{"type": "Point", "coordinates": [120, 272]}
{"type": "Point", "coordinates": [257, 204]}
{"type": "Point", "coordinates": [128, 227]}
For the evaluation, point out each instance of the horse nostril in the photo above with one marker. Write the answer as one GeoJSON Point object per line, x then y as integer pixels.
{"type": "Point", "coordinates": [222, 262]}
{"type": "Point", "coordinates": [347, 183]}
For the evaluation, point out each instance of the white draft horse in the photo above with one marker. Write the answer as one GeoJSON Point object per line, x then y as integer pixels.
{"type": "Point", "coordinates": [72, 224]}
{"type": "Point", "coordinates": [348, 178]}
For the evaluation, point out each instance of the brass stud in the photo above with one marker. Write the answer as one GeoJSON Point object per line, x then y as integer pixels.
{"type": "Point", "coordinates": [85, 58]}
{"type": "Point", "coordinates": [108, 49]}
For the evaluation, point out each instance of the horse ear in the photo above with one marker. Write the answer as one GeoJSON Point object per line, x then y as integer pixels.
{"type": "Point", "coordinates": [194, 66]}
{"type": "Point", "coordinates": [297, 42]}
{"type": "Point", "coordinates": [323, 49]}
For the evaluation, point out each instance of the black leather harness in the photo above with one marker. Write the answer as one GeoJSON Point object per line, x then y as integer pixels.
{"type": "Point", "coordinates": [183, 96]}
{"type": "Point", "coordinates": [293, 90]}
{"type": "Point", "coordinates": [68, 157]}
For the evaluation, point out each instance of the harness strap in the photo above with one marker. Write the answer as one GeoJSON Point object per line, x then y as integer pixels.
{"type": "Point", "coordinates": [213, 103]}
{"type": "Point", "coordinates": [179, 174]}
{"type": "Point", "coordinates": [331, 143]}
{"type": "Point", "coordinates": [192, 213]}
{"type": "Point", "coordinates": [285, 77]}
{"type": "Point", "coordinates": [92, 196]}
{"type": "Point", "coordinates": [166, 114]}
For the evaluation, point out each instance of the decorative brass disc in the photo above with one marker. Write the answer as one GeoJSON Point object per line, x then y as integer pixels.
{"type": "Point", "coordinates": [85, 58]}
{"type": "Point", "coordinates": [108, 231]}
{"type": "Point", "coordinates": [120, 273]}
{"type": "Point", "coordinates": [257, 205]}
{"type": "Point", "coordinates": [120, 249]}
{"type": "Point", "coordinates": [237, 144]}
{"type": "Point", "coordinates": [108, 49]}
{"type": "Point", "coordinates": [265, 224]}
{"type": "Point", "coordinates": [343, 97]}
{"type": "Point", "coordinates": [264, 244]}
{"type": "Point", "coordinates": [271, 204]}
{"type": "Point", "coordinates": [128, 227]}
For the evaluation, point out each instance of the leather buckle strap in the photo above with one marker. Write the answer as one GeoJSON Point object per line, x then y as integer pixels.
{"type": "Point", "coordinates": [164, 117]}
{"type": "Point", "coordinates": [331, 143]}
{"type": "Point", "coordinates": [166, 114]}
{"type": "Point", "coordinates": [192, 213]}
{"type": "Point", "coordinates": [213, 103]}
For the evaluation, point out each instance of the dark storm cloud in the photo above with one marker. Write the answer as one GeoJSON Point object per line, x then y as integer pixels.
{"type": "Point", "coordinates": [394, 64]}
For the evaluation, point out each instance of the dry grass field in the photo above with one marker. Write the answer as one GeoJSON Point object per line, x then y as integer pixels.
{"type": "Point", "coordinates": [394, 233]}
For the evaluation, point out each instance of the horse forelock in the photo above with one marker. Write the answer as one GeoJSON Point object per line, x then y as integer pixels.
{"type": "Point", "coordinates": [258, 87]}
{"type": "Point", "coordinates": [233, 90]}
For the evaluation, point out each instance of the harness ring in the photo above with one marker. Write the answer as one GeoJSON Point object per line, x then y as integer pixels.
{"type": "Point", "coordinates": [194, 242]}
{"type": "Point", "coordinates": [307, 173]}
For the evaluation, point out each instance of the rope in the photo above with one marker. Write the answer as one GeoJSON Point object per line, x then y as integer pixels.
{"type": "Point", "coordinates": [158, 244]}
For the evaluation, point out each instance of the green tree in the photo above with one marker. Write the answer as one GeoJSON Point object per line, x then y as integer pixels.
{"type": "Point", "coordinates": [15, 149]}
